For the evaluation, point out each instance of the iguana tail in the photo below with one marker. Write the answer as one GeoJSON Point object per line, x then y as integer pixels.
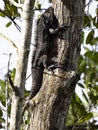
{"type": "Point", "coordinates": [37, 77]}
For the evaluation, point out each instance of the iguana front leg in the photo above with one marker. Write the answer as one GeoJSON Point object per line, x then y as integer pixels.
{"type": "Point", "coordinates": [59, 29]}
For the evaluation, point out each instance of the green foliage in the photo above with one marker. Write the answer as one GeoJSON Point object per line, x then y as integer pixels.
{"type": "Point", "coordinates": [3, 97]}
{"type": "Point", "coordinates": [82, 37]}
{"type": "Point", "coordinates": [26, 117]}
{"type": "Point", "coordinates": [13, 74]}
{"type": "Point", "coordinates": [8, 24]}
{"type": "Point", "coordinates": [89, 39]}
{"type": "Point", "coordinates": [80, 111]}
{"type": "Point", "coordinates": [2, 91]}
{"type": "Point", "coordinates": [88, 62]}
{"type": "Point", "coordinates": [1, 113]}
{"type": "Point", "coordinates": [37, 5]}
{"type": "Point", "coordinates": [2, 14]}
{"type": "Point", "coordinates": [81, 64]}
{"type": "Point", "coordinates": [10, 11]}
{"type": "Point", "coordinates": [87, 20]}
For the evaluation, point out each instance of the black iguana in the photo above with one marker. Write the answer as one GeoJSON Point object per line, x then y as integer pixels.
{"type": "Point", "coordinates": [47, 29]}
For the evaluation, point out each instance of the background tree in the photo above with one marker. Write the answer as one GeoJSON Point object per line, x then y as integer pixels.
{"type": "Point", "coordinates": [23, 50]}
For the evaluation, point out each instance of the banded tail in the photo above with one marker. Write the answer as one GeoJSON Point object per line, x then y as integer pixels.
{"type": "Point", "coordinates": [37, 77]}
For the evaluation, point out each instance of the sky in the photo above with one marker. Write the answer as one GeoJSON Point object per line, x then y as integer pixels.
{"type": "Point", "coordinates": [5, 47]}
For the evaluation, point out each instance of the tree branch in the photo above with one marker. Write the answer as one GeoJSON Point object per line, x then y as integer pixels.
{"type": "Point", "coordinates": [6, 127]}
{"type": "Point", "coordinates": [10, 41]}
{"type": "Point", "coordinates": [14, 88]}
{"type": "Point", "coordinates": [88, 3]}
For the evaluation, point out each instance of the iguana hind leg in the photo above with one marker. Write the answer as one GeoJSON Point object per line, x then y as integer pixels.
{"type": "Point", "coordinates": [43, 61]}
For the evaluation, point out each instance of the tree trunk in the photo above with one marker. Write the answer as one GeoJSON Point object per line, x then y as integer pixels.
{"type": "Point", "coordinates": [21, 68]}
{"type": "Point", "coordinates": [53, 100]}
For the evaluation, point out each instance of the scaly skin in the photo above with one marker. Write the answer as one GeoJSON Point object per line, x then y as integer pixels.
{"type": "Point", "coordinates": [47, 29]}
{"type": "Point", "coordinates": [40, 58]}
{"type": "Point", "coordinates": [37, 76]}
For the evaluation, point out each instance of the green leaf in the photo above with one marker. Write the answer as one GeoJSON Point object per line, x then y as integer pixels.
{"type": "Point", "coordinates": [2, 92]}
{"type": "Point", "coordinates": [95, 22]}
{"type": "Point", "coordinates": [2, 98]}
{"type": "Point", "coordinates": [84, 95]}
{"type": "Point", "coordinates": [96, 40]}
{"type": "Point", "coordinates": [81, 64]}
{"type": "Point", "coordinates": [89, 85]}
{"type": "Point", "coordinates": [9, 109]}
{"type": "Point", "coordinates": [95, 57]}
{"type": "Point", "coordinates": [88, 54]}
{"type": "Point", "coordinates": [87, 21]}
{"type": "Point", "coordinates": [13, 74]}
{"type": "Point", "coordinates": [2, 14]}
{"type": "Point", "coordinates": [92, 77]}
{"type": "Point", "coordinates": [86, 49]}
{"type": "Point", "coordinates": [26, 93]}
{"type": "Point", "coordinates": [82, 36]}
{"type": "Point", "coordinates": [90, 37]}
{"type": "Point", "coordinates": [10, 10]}
{"type": "Point", "coordinates": [8, 24]}
{"type": "Point", "coordinates": [37, 5]}
{"type": "Point", "coordinates": [95, 114]}
{"type": "Point", "coordinates": [1, 113]}
{"type": "Point", "coordinates": [81, 85]}
{"type": "Point", "coordinates": [1, 120]}
{"type": "Point", "coordinates": [85, 118]}
{"type": "Point", "coordinates": [76, 110]}
{"type": "Point", "coordinates": [3, 85]}
{"type": "Point", "coordinates": [92, 56]}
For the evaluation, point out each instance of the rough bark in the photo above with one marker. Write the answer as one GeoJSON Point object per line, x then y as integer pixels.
{"type": "Point", "coordinates": [53, 100]}
{"type": "Point", "coordinates": [21, 68]}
